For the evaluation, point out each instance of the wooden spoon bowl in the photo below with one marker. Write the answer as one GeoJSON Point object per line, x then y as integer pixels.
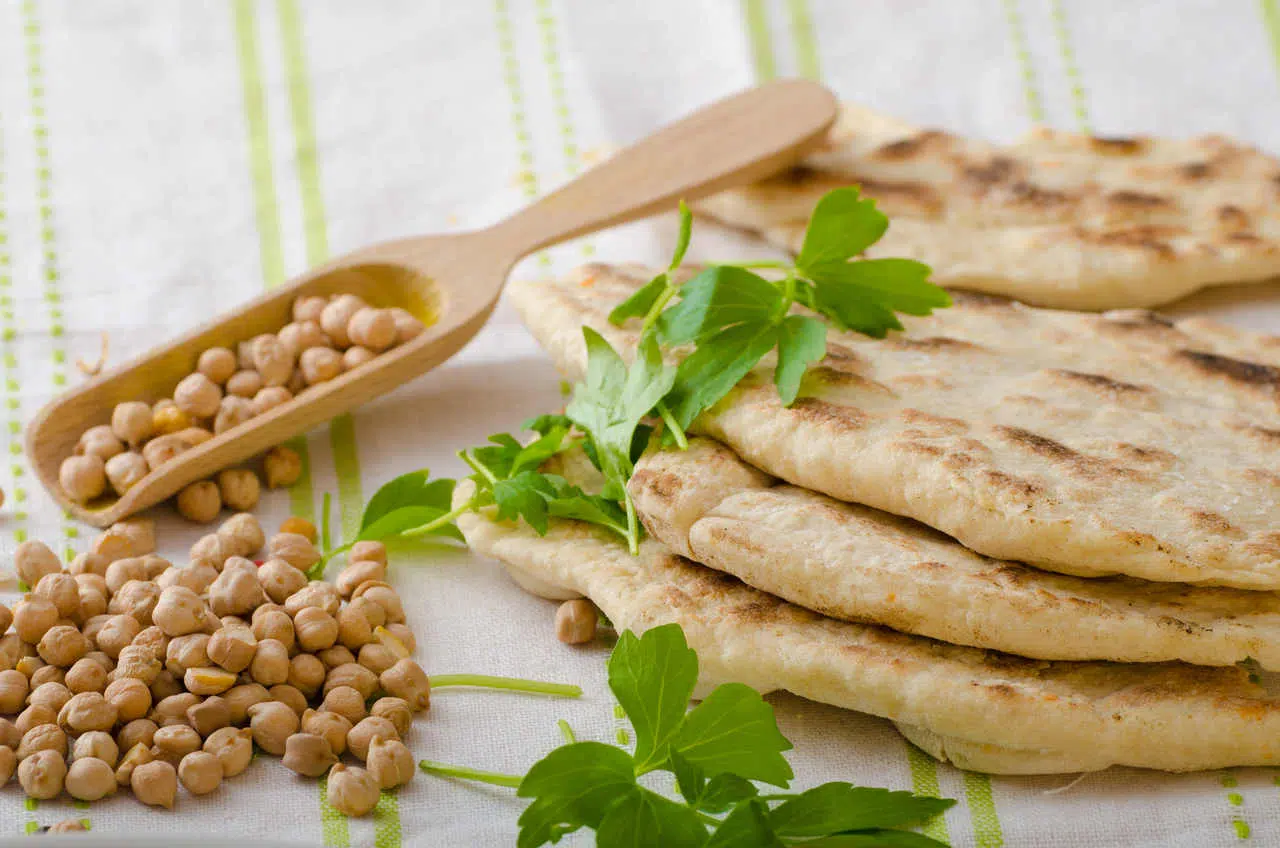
{"type": "Point", "coordinates": [451, 283]}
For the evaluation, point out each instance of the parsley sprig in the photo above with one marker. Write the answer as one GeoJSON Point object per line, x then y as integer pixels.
{"type": "Point", "coordinates": [716, 753]}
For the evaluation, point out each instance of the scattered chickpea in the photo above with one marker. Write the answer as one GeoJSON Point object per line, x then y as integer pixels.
{"type": "Point", "coordinates": [116, 634]}
{"type": "Point", "coordinates": [139, 663]}
{"type": "Point", "coordinates": [359, 572]}
{"type": "Point", "coordinates": [98, 745]}
{"type": "Point", "coordinates": [46, 674]}
{"type": "Point", "coordinates": [395, 710]}
{"type": "Point", "coordinates": [124, 470]}
{"type": "Point", "coordinates": [245, 384]}
{"type": "Point", "coordinates": [33, 616]}
{"type": "Point", "coordinates": [315, 629]}
{"type": "Point", "coordinates": [376, 657]}
{"type": "Point", "coordinates": [165, 685]}
{"type": "Point", "coordinates": [316, 594]}
{"type": "Point", "coordinates": [352, 791]}
{"type": "Point", "coordinates": [42, 737]}
{"type": "Point", "coordinates": [283, 467]}
{"type": "Point", "coordinates": [334, 657]}
{"type": "Point", "coordinates": [197, 395]}
{"type": "Point", "coordinates": [14, 688]}
{"type": "Point", "coordinates": [384, 596]}
{"type": "Point", "coordinates": [355, 676]}
{"type": "Point", "coordinates": [131, 422]}
{"type": "Point", "coordinates": [155, 783]}
{"type": "Point", "coordinates": [90, 779]}
{"type": "Point", "coordinates": [123, 571]}
{"type": "Point", "coordinates": [34, 559]}
{"type": "Point", "coordinates": [138, 598]}
{"type": "Point", "coordinates": [232, 648]}
{"type": "Point", "coordinates": [84, 477]}
{"type": "Point", "coordinates": [272, 724]}
{"type": "Point", "coordinates": [336, 317]}
{"type": "Point", "coordinates": [368, 551]}
{"type": "Point", "coordinates": [235, 592]}
{"type": "Point", "coordinates": [333, 727]}
{"type": "Point", "coordinates": [389, 762]}
{"type": "Point", "coordinates": [308, 755]}
{"type": "Point", "coordinates": [131, 698]}
{"type": "Point", "coordinates": [290, 696]}
{"type": "Point", "coordinates": [354, 631]}
{"type": "Point", "coordinates": [306, 674]}
{"type": "Point", "coordinates": [10, 736]}
{"type": "Point", "coordinates": [86, 675]}
{"type": "Point", "coordinates": [233, 747]}
{"type": "Point", "coordinates": [42, 774]}
{"type": "Point", "coordinates": [293, 548]}
{"type": "Point", "coordinates": [241, 535]}
{"type": "Point", "coordinates": [162, 449]}
{"type": "Point", "coordinates": [177, 740]}
{"type": "Point", "coordinates": [280, 579]}
{"type": "Point", "coordinates": [167, 417]}
{"type": "Point", "coordinates": [407, 680]}
{"type": "Point", "coordinates": [88, 711]}
{"type": "Point", "coordinates": [179, 612]}
{"type": "Point", "coordinates": [274, 624]}
{"type": "Point", "coordinates": [101, 441]}
{"type": "Point", "coordinates": [365, 731]}
{"type": "Point", "coordinates": [374, 614]}
{"type": "Point", "coordinates": [372, 328]}
{"type": "Point", "coordinates": [232, 412]}
{"type": "Point", "coordinates": [298, 336]}
{"type": "Point", "coordinates": [200, 502]}
{"type": "Point", "coordinates": [51, 694]}
{"type": "Point", "coordinates": [273, 359]}
{"type": "Point", "coordinates": [346, 702]}
{"type": "Point", "coordinates": [133, 537]}
{"type": "Point", "coordinates": [200, 772]}
{"type": "Point", "coordinates": [320, 365]}
{"type": "Point", "coordinates": [62, 590]}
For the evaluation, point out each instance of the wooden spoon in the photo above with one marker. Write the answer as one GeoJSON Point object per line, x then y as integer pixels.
{"type": "Point", "coordinates": [451, 282]}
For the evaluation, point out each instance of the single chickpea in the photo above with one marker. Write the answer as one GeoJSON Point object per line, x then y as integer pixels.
{"type": "Point", "coordinates": [88, 563]}
{"type": "Point", "coordinates": [297, 382]}
{"type": "Point", "coordinates": [11, 648]}
{"type": "Point", "coordinates": [239, 488]}
{"type": "Point", "coordinates": [90, 779]}
{"type": "Point", "coordinates": [200, 502]}
{"type": "Point", "coordinates": [363, 734]}
{"type": "Point", "coordinates": [283, 467]}
{"type": "Point", "coordinates": [139, 663]}
{"type": "Point", "coordinates": [139, 730]}
{"type": "Point", "coordinates": [576, 622]}
{"type": "Point", "coordinates": [83, 478]}
{"type": "Point", "coordinates": [131, 422]}
{"type": "Point", "coordinates": [293, 548]}
{"type": "Point", "coordinates": [346, 702]}
{"type": "Point", "coordinates": [241, 535]}
{"type": "Point", "coordinates": [197, 395]}
{"type": "Point", "coordinates": [32, 717]}
{"type": "Point", "coordinates": [190, 651]}
{"type": "Point", "coordinates": [33, 616]}
{"type": "Point", "coordinates": [177, 740]}
{"type": "Point", "coordinates": [88, 711]}
{"type": "Point", "coordinates": [34, 559]}
{"type": "Point", "coordinates": [298, 336]}
{"type": "Point", "coordinates": [163, 449]}
{"type": "Point", "coordinates": [42, 774]}
{"type": "Point", "coordinates": [209, 715]}
{"type": "Point", "coordinates": [395, 710]}
{"type": "Point", "coordinates": [168, 418]}
{"type": "Point", "coordinates": [96, 745]}
{"type": "Point", "coordinates": [337, 315]}
{"type": "Point", "coordinates": [320, 365]}
{"type": "Point", "coordinates": [130, 697]}
{"type": "Point", "coordinates": [389, 762]}
{"type": "Point", "coordinates": [270, 664]}
{"type": "Point", "coordinates": [280, 579]}
{"type": "Point", "coordinates": [308, 755]}
{"type": "Point", "coordinates": [334, 657]}
{"type": "Point", "coordinates": [384, 596]}
{"type": "Point", "coordinates": [306, 674]}
{"type": "Point", "coordinates": [408, 327]}
{"type": "Point", "coordinates": [351, 791]}
{"type": "Point", "coordinates": [45, 673]}
{"type": "Point", "coordinates": [93, 602]}
{"type": "Point", "coordinates": [376, 657]}
{"type": "Point", "coordinates": [235, 592]}
{"type": "Point", "coordinates": [317, 593]}
{"type": "Point", "coordinates": [100, 441]}
{"type": "Point", "coordinates": [116, 634]}
{"type": "Point", "coordinates": [315, 629]}
{"type": "Point", "coordinates": [354, 357]}
{"type": "Point", "coordinates": [245, 384]}
{"type": "Point", "coordinates": [232, 412]}
{"type": "Point", "coordinates": [209, 550]}
{"type": "Point", "coordinates": [165, 684]}
{"type": "Point", "coordinates": [359, 572]}
{"type": "Point", "coordinates": [200, 772]}
{"type": "Point", "coordinates": [354, 631]}
{"type": "Point", "coordinates": [272, 724]}
{"type": "Point", "coordinates": [276, 625]}
{"type": "Point", "coordinates": [374, 614]}
{"type": "Point", "coordinates": [273, 359]}
{"type": "Point", "coordinates": [155, 783]}
{"type": "Point", "coordinates": [198, 577]}
{"type": "Point", "coordinates": [86, 675]}
{"type": "Point", "coordinates": [179, 611]}
{"type": "Point", "coordinates": [407, 680]}
{"type": "Point", "coordinates": [354, 675]}
{"type": "Point", "coordinates": [368, 551]}
{"type": "Point", "coordinates": [331, 726]}
{"type": "Point", "coordinates": [138, 598]}
{"type": "Point", "coordinates": [244, 353]}
{"type": "Point", "coordinates": [309, 307]}
{"type": "Point", "coordinates": [290, 696]}
{"type": "Point", "coordinates": [63, 591]}
{"type": "Point", "coordinates": [133, 537]}
{"type": "Point", "coordinates": [372, 328]}
{"type": "Point", "coordinates": [42, 737]}
{"type": "Point", "coordinates": [269, 398]}
{"type": "Point", "coordinates": [233, 747]}
{"type": "Point", "coordinates": [124, 470]}
{"type": "Point", "coordinates": [233, 648]}
{"type": "Point", "coordinates": [124, 571]}
{"type": "Point", "coordinates": [218, 364]}
{"type": "Point", "coordinates": [240, 698]}
{"type": "Point", "coordinates": [138, 754]}
{"type": "Point", "coordinates": [51, 694]}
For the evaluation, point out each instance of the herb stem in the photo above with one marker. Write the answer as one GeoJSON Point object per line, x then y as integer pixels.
{"type": "Point", "coordinates": [656, 309]}
{"type": "Point", "coordinates": [682, 441]}
{"type": "Point", "coordinates": [436, 523]}
{"type": "Point", "coordinates": [566, 731]}
{"type": "Point", "coordinates": [491, 777]}
{"type": "Point", "coordinates": [487, 681]}
{"type": "Point", "coordinates": [633, 528]}
{"type": "Point", "coordinates": [477, 466]}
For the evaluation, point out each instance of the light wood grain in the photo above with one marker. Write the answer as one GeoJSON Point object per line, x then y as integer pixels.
{"type": "Point", "coordinates": [451, 282]}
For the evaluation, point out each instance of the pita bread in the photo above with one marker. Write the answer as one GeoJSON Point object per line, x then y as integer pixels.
{"type": "Point", "coordinates": [856, 563]}
{"type": "Point", "coordinates": [1057, 219]}
{"type": "Point", "coordinates": [1167, 716]}
{"type": "Point", "coordinates": [1086, 444]}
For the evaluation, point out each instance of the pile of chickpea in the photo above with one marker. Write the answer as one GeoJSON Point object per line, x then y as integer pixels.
{"type": "Point", "coordinates": [122, 670]}
{"type": "Point", "coordinates": [328, 335]}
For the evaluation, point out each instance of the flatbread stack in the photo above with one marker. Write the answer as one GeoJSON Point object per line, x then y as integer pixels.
{"type": "Point", "coordinates": [1057, 219]}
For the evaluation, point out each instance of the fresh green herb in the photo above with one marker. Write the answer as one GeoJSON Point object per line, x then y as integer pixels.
{"type": "Point", "coordinates": [717, 752]}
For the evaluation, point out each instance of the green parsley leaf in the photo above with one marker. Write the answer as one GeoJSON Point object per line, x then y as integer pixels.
{"type": "Point", "coordinates": [524, 496]}
{"type": "Point", "coordinates": [842, 225]}
{"type": "Point", "coordinates": [413, 489]}
{"type": "Point", "coordinates": [801, 342]}
{"type": "Point", "coordinates": [837, 806]}
{"type": "Point", "coordinates": [572, 787]}
{"type": "Point", "coordinates": [544, 424]}
{"type": "Point", "coordinates": [683, 237]}
{"type": "Point", "coordinates": [653, 676]}
{"type": "Point", "coordinates": [719, 363]}
{"type": "Point", "coordinates": [640, 302]}
{"type": "Point", "coordinates": [719, 297]}
{"type": "Point", "coordinates": [712, 796]}
{"type": "Point", "coordinates": [747, 825]}
{"type": "Point", "coordinates": [734, 730]}
{"type": "Point", "coordinates": [572, 502]}
{"type": "Point", "coordinates": [400, 521]}
{"type": "Point", "coordinates": [643, 819]}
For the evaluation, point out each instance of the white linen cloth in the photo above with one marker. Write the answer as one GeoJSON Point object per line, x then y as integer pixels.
{"type": "Point", "coordinates": [160, 162]}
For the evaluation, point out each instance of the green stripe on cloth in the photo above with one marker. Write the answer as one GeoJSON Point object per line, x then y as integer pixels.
{"type": "Point", "coordinates": [386, 821]}
{"type": "Point", "coordinates": [346, 465]}
{"type": "Point", "coordinates": [1030, 82]}
{"type": "Point", "coordinates": [1271, 21]}
{"type": "Point", "coordinates": [924, 781]}
{"type": "Point", "coordinates": [987, 832]}
{"type": "Point", "coordinates": [333, 826]}
{"type": "Point", "coordinates": [1070, 66]}
{"type": "Point", "coordinates": [527, 173]}
{"type": "Point", "coordinates": [9, 357]}
{"type": "Point", "coordinates": [804, 40]}
{"type": "Point", "coordinates": [760, 39]}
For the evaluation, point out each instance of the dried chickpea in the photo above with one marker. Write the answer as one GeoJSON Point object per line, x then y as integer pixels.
{"type": "Point", "coordinates": [165, 684]}
{"type": "Point", "coordinates": [232, 412]}
{"type": "Point", "coordinates": [86, 675]}
{"type": "Point", "coordinates": [357, 573]}
{"type": "Point", "coordinates": [162, 449]}
{"type": "Point", "coordinates": [190, 651]}
{"type": "Point", "coordinates": [297, 382]}
{"type": "Point", "coordinates": [217, 363]}
{"type": "Point", "coordinates": [351, 791]}
{"type": "Point", "coordinates": [83, 478]}
{"type": "Point", "coordinates": [131, 422]}
{"type": "Point", "coordinates": [198, 577]}
{"type": "Point", "coordinates": [197, 395]}
{"type": "Point", "coordinates": [363, 734]}
{"type": "Point", "coordinates": [336, 317]}
{"type": "Point", "coordinates": [289, 696]}
{"type": "Point", "coordinates": [374, 614]}
{"type": "Point", "coordinates": [245, 384]}
{"type": "Point", "coordinates": [294, 549]}
{"type": "Point", "coordinates": [152, 637]}
{"type": "Point", "coordinates": [200, 772]}
{"type": "Point", "coordinates": [320, 365]}
{"type": "Point", "coordinates": [389, 762]}
{"type": "Point", "coordinates": [209, 550]}
{"type": "Point", "coordinates": [376, 657]}
{"type": "Point", "coordinates": [280, 579]}
{"type": "Point", "coordinates": [315, 629]}
{"type": "Point", "coordinates": [88, 711]}
{"type": "Point", "coordinates": [44, 674]}
{"type": "Point", "coordinates": [209, 715]}
{"type": "Point", "coordinates": [10, 736]}
{"type": "Point", "coordinates": [137, 598]}
{"type": "Point", "coordinates": [407, 680]}
{"type": "Point", "coordinates": [346, 702]}
{"type": "Point", "coordinates": [124, 470]}
{"type": "Point", "coordinates": [14, 688]}
{"type": "Point", "coordinates": [8, 764]}
{"type": "Point", "coordinates": [372, 328]}
{"type": "Point", "coordinates": [309, 307]}
{"type": "Point", "coordinates": [179, 611]}
{"type": "Point", "coordinates": [408, 327]}
{"type": "Point", "coordinates": [42, 774]}
{"type": "Point", "coordinates": [92, 603]}
{"type": "Point", "coordinates": [88, 563]}
{"type": "Point", "coordinates": [97, 745]}
{"type": "Point", "coordinates": [315, 594]}
{"type": "Point", "coordinates": [233, 747]}
{"type": "Point", "coordinates": [52, 695]}
{"type": "Point", "coordinates": [139, 731]}
{"type": "Point", "coordinates": [298, 336]}
{"type": "Point", "coordinates": [131, 698]}
{"type": "Point", "coordinates": [34, 559]}
{"type": "Point", "coordinates": [306, 674]}
{"type": "Point", "coordinates": [335, 656]}
{"type": "Point", "coordinates": [176, 740]}
{"type": "Point", "coordinates": [308, 755]}
{"type": "Point", "coordinates": [155, 565]}
{"type": "Point", "coordinates": [167, 418]}
{"type": "Point", "coordinates": [368, 551]}
{"type": "Point", "coordinates": [42, 737]}
{"type": "Point", "coordinates": [232, 648]}
{"type": "Point", "coordinates": [33, 616]}
{"type": "Point", "coordinates": [270, 663]}
{"type": "Point", "coordinates": [269, 398]}
{"type": "Point", "coordinates": [62, 590]}
{"type": "Point", "coordinates": [116, 634]}
{"type": "Point", "coordinates": [235, 592]}
{"type": "Point", "coordinates": [355, 356]}
{"type": "Point", "coordinates": [155, 784]}
{"type": "Point", "coordinates": [300, 526]}
{"type": "Point", "coordinates": [283, 467]}
{"type": "Point", "coordinates": [62, 646]}
{"type": "Point", "coordinates": [133, 537]}
{"type": "Point", "coordinates": [354, 675]}
{"type": "Point", "coordinates": [139, 754]}
{"type": "Point", "coordinates": [34, 716]}
{"type": "Point", "coordinates": [274, 624]}
{"type": "Point", "coordinates": [331, 726]}
{"type": "Point", "coordinates": [354, 631]}
{"type": "Point", "coordinates": [199, 502]}
{"type": "Point", "coordinates": [272, 724]}
{"type": "Point", "coordinates": [208, 681]}
{"type": "Point", "coordinates": [272, 359]}
{"type": "Point", "coordinates": [137, 662]}
{"type": "Point", "coordinates": [101, 442]}
{"type": "Point", "coordinates": [90, 779]}
{"type": "Point", "coordinates": [121, 571]}
{"type": "Point", "coordinates": [241, 535]}
{"type": "Point", "coordinates": [384, 596]}
{"type": "Point", "coordinates": [244, 353]}
{"type": "Point", "coordinates": [395, 710]}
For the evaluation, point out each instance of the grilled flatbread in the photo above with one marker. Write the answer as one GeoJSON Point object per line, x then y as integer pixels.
{"type": "Point", "coordinates": [1057, 219]}
{"type": "Point", "coordinates": [855, 563]}
{"type": "Point", "coordinates": [1156, 715]}
{"type": "Point", "coordinates": [1086, 444]}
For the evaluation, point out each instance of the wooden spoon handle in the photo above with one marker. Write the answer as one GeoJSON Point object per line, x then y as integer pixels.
{"type": "Point", "coordinates": [736, 140]}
